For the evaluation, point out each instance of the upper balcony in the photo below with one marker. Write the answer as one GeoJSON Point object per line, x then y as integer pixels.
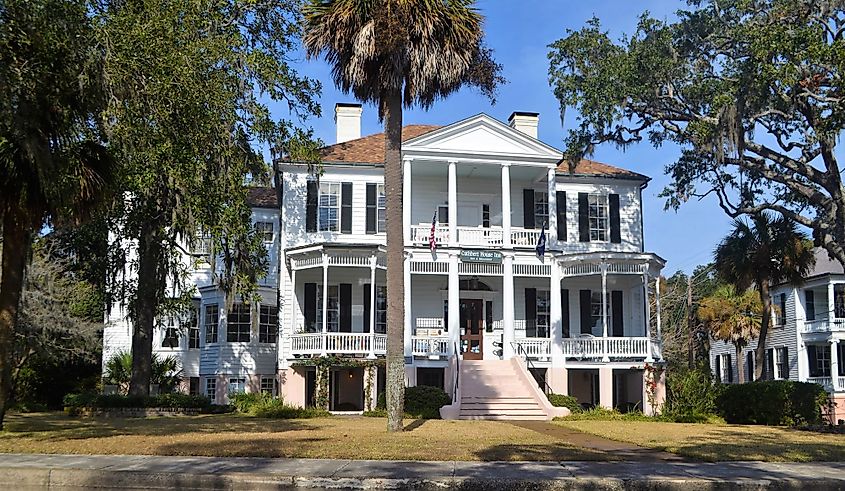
{"type": "Point", "coordinates": [476, 236]}
{"type": "Point", "coordinates": [823, 326]}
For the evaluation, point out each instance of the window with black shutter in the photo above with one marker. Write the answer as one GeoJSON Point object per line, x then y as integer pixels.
{"type": "Point", "coordinates": [346, 208]}
{"type": "Point", "coordinates": [367, 293]}
{"type": "Point", "coordinates": [615, 227]}
{"type": "Point", "coordinates": [564, 311]}
{"type": "Point", "coordinates": [310, 308]}
{"type": "Point", "coordinates": [530, 312]}
{"type": "Point", "coordinates": [371, 208]}
{"type": "Point", "coordinates": [585, 301]}
{"type": "Point", "coordinates": [782, 363]}
{"type": "Point", "coordinates": [488, 315]}
{"type": "Point", "coordinates": [345, 299]}
{"type": "Point", "coordinates": [810, 301]}
{"type": "Point", "coordinates": [616, 311]}
{"type": "Point", "coordinates": [561, 215]}
{"type": "Point", "coordinates": [770, 364]}
{"type": "Point", "coordinates": [311, 206]}
{"type": "Point", "coordinates": [729, 368]}
{"type": "Point", "coordinates": [718, 368]}
{"type": "Point", "coordinates": [583, 217]}
{"type": "Point", "coordinates": [528, 208]}
{"type": "Point", "coordinates": [749, 366]}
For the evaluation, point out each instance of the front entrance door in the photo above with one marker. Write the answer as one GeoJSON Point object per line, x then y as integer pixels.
{"type": "Point", "coordinates": [472, 330]}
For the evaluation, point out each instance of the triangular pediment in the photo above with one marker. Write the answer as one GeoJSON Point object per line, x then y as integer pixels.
{"type": "Point", "coordinates": [481, 135]}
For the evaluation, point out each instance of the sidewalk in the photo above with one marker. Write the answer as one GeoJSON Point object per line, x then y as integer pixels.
{"type": "Point", "coordinates": [35, 471]}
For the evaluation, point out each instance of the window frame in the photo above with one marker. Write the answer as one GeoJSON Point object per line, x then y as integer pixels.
{"type": "Point", "coordinates": [596, 304]}
{"type": "Point", "coordinates": [239, 329]}
{"type": "Point", "coordinates": [381, 209]}
{"type": "Point", "coordinates": [236, 385]}
{"type": "Point", "coordinates": [781, 364]}
{"type": "Point", "coordinates": [268, 324]}
{"type": "Point", "coordinates": [202, 245]}
{"type": "Point", "coordinates": [327, 189]}
{"type": "Point", "coordinates": [332, 307]}
{"type": "Point", "coordinates": [267, 230]}
{"type": "Point", "coordinates": [212, 330]}
{"type": "Point", "coordinates": [599, 225]}
{"type": "Point", "coordinates": [541, 209]}
{"type": "Point", "coordinates": [839, 300]}
{"type": "Point", "coordinates": [822, 361]}
{"type": "Point", "coordinates": [485, 215]}
{"type": "Point", "coordinates": [194, 328]}
{"type": "Point", "coordinates": [725, 367]}
{"type": "Point", "coordinates": [443, 214]}
{"type": "Point", "coordinates": [265, 381]}
{"type": "Point", "coordinates": [211, 388]}
{"type": "Point", "coordinates": [381, 309]}
{"type": "Point", "coordinates": [171, 333]}
{"type": "Point", "coordinates": [543, 307]}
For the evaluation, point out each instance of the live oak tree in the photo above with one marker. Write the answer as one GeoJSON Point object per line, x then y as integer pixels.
{"type": "Point", "coordinates": [188, 86]}
{"type": "Point", "coordinates": [395, 54]}
{"type": "Point", "coordinates": [752, 91]}
{"type": "Point", "coordinates": [54, 167]}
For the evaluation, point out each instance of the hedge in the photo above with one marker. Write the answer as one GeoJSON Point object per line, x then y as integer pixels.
{"type": "Point", "coordinates": [105, 401]}
{"type": "Point", "coordinates": [772, 402]}
{"type": "Point", "coordinates": [421, 401]}
{"type": "Point", "coordinates": [266, 406]}
{"type": "Point", "coordinates": [569, 402]}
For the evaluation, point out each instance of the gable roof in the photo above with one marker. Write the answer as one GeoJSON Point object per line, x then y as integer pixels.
{"type": "Point", "coordinates": [261, 197]}
{"type": "Point", "coordinates": [369, 149]}
{"type": "Point", "coordinates": [588, 167]}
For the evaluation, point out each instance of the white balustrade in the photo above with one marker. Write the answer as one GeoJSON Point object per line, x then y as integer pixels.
{"type": "Point", "coordinates": [429, 323]}
{"type": "Point", "coordinates": [337, 343]}
{"type": "Point", "coordinates": [421, 233]}
{"type": "Point", "coordinates": [823, 325]}
{"type": "Point", "coordinates": [826, 382]}
{"type": "Point", "coordinates": [521, 237]}
{"type": "Point", "coordinates": [596, 347]}
{"type": "Point", "coordinates": [480, 236]}
{"type": "Point", "coordinates": [534, 347]}
{"type": "Point", "coordinates": [306, 344]}
{"type": "Point", "coordinates": [430, 345]}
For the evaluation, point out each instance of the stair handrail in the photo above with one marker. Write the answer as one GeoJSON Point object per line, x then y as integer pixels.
{"type": "Point", "coordinates": [522, 352]}
{"type": "Point", "coordinates": [457, 373]}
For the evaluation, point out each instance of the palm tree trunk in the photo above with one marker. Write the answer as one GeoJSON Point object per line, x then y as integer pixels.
{"type": "Point", "coordinates": [760, 351]}
{"type": "Point", "coordinates": [15, 247]}
{"type": "Point", "coordinates": [145, 307]}
{"type": "Point", "coordinates": [740, 367]}
{"type": "Point", "coordinates": [392, 115]}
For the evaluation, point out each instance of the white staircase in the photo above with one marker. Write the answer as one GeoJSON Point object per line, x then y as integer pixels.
{"type": "Point", "coordinates": [499, 389]}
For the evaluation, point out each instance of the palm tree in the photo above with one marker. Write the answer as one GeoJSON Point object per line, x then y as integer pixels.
{"type": "Point", "coordinates": [762, 253]}
{"type": "Point", "coordinates": [53, 167]}
{"type": "Point", "coordinates": [733, 318]}
{"type": "Point", "coordinates": [396, 53]}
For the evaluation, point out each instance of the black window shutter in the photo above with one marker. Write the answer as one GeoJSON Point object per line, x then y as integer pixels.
{"type": "Point", "coordinates": [345, 294]}
{"type": "Point", "coordinates": [371, 207]}
{"type": "Point", "coordinates": [782, 306]}
{"type": "Point", "coordinates": [770, 364]}
{"type": "Point", "coordinates": [810, 299]}
{"type": "Point", "coordinates": [812, 358]}
{"type": "Point", "coordinates": [749, 366]}
{"type": "Point", "coordinates": [561, 215]}
{"type": "Point", "coordinates": [564, 311]}
{"type": "Point", "coordinates": [615, 233]}
{"type": "Point", "coordinates": [583, 217]}
{"type": "Point", "coordinates": [530, 312]}
{"type": "Point", "coordinates": [730, 369]}
{"type": "Point", "coordinates": [311, 207]}
{"type": "Point", "coordinates": [310, 309]}
{"type": "Point", "coordinates": [586, 314]}
{"type": "Point", "coordinates": [488, 315]}
{"type": "Point", "coordinates": [366, 307]}
{"type": "Point", "coordinates": [840, 353]}
{"type": "Point", "coordinates": [616, 312]}
{"type": "Point", "coordinates": [346, 208]}
{"type": "Point", "coordinates": [719, 368]}
{"type": "Point", "coordinates": [528, 208]}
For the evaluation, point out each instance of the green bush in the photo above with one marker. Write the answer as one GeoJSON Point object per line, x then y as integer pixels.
{"type": "Point", "coordinates": [424, 401]}
{"type": "Point", "coordinates": [105, 401]}
{"type": "Point", "coordinates": [691, 396]}
{"type": "Point", "coordinates": [602, 414]}
{"type": "Point", "coordinates": [266, 406]}
{"type": "Point", "coordinates": [773, 402]}
{"type": "Point", "coordinates": [381, 401]}
{"type": "Point", "coordinates": [245, 401]}
{"type": "Point", "coordinates": [569, 402]}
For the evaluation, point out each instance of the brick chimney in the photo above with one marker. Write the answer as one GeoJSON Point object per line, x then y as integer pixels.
{"type": "Point", "coordinates": [347, 118]}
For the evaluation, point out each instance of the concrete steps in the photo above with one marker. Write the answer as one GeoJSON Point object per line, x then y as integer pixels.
{"type": "Point", "coordinates": [494, 390]}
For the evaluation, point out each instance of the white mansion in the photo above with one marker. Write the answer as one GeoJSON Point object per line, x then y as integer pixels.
{"type": "Point", "coordinates": [483, 311]}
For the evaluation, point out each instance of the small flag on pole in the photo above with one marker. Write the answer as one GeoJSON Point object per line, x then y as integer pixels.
{"type": "Point", "coordinates": [541, 242]}
{"type": "Point", "coordinates": [432, 241]}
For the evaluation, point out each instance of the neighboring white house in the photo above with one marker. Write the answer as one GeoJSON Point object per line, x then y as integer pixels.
{"type": "Point", "coordinates": [487, 191]}
{"type": "Point", "coordinates": [804, 341]}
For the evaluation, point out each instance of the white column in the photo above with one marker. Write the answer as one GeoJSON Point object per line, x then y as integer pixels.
{"type": "Point", "coordinates": [325, 293]}
{"type": "Point", "coordinates": [657, 318]}
{"type": "Point", "coordinates": [506, 205]}
{"type": "Point", "coordinates": [556, 315]}
{"type": "Point", "coordinates": [551, 234]}
{"type": "Point", "coordinates": [507, 306]}
{"type": "Point", "coordinates": [834, 364]}
{"type": "Point", "coordinates": [605, 358]}
{"type": "Point", "coordinates": [406, 199]}
{"type": "Point", "coordinates": [453, 205]}
{"type": "Point", "coordinates": [454, 299]}
{"type": "Point", "coordinates": [831, 302]}
{"type": "Point", "coordinates": [373, 290]}
{"type": "Point", "coordinates": [408, 312]}
{"type": "Point", "coordinates": [649, 358]}
{"type": "Point", "coordinates": [293, 302]}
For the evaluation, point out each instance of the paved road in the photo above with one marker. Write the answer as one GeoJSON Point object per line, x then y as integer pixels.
{"type": "Point", "coordinates": [34, 471]}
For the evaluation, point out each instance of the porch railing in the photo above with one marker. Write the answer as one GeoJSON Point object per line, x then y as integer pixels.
{"type": "Point", "coordinates": [475, 236]}
{"type": "Point", "coordinates": [351, 343]}
{"type": "Point", "coordinates": [618, 347]}
{"type": "Point", "coordinates": [536, 348]}
{"type": "Point", "coordinates": [829, 383]}
{"type": "Point", "coordinates": [430, 345]}
{"type": "Point", "coordinates": [823, 325]}
{"type": "Point", "coordinates": [480, 236]}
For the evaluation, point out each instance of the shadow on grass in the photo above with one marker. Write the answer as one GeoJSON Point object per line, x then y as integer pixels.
{"type": "Point", "coordinates": [415, 424]}
{"type": "Point", "coordinates": [542, 452]}
{"type": "Point", "coordinates": [776, 445]}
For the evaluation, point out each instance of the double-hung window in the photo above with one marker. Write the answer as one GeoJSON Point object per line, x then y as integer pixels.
{"type": "Point", "coordinates": [599, 217]}
{"type": "Point", "coordinates": [822, 357]}
{"type": "Point", "coordinates": [381, 210]}
{"type": "Point", "coordinates": [211, 388]}
{"type": "Point", "coordinates": [596, 311]}
{"type": "Point", "coordinates": [839, 300]}
{"type": "Point", "coordinates": [726, 374]}
{"type": "Point", "coordinates": [268, 324]}
{"type": "Point", "coordinates": [781, 363]}
{"type": "Point", "coordinates": [268, 385]}
{"type": "Point", "coordinates": [212, 320]}
{"type": "Point", "coordinates": [194, 328]}
{"type": "Point", "coordinates": [381, 310]}
{"type": "Point", "coordinates": [237, 385]}
{"type": "Point", "coordinates": [541, 209]}
{"type": "Point", "coordinates": [171, 334]}
{"type": "Point", "coordinates": [265, 230]}
{"type": "Point", "coordinates": [543, 316]}
{"type": "Point", "coordinates": [328, 213]}
{"type": "Point", "coordinates": [238, 324]}
{"type": "Point", "coordinates": [202, 245]}
{"type": "Point", "coordinates": [332, 308]}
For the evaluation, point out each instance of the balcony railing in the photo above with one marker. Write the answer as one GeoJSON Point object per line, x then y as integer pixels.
{"type": "Point", "coordinates": [823, 325]}
{"type": "Point", "coordinates": [475, 236]}
{"type": "Point", "coordinates": [538, 348]}
{"type": "Point", "coordinates": [828, 382]}
{"type": "Point", "coordinates": [431, 346]}
{"type": "Point", "coordinates": [589, 347]}
{"type": "Point", "coordinates": [342, 343]}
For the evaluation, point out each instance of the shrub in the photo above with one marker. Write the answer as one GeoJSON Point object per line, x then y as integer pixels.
{"type": "Point", "coordinates": [245, 401]}
{"type": "Point", "coordinates": [569, 402]}
{"type": "Point", "coordinates": [276, 408]}
{"type": "Point", "coordinates": [105, 401]}
{"type": "Point", "coordinates": [424, 401]}
{"type": "Point", "coordinates": [773, 402]}
{"type": "Point", "coordinates": [381, 401]}
{"type": "Point", "coordinates": [691, 395]}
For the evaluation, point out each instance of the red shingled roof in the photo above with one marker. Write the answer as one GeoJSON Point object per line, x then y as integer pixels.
{"type": "Point", "coordinates": [262, 197]}
{"type": "Point", "coordinates": [588, 167]}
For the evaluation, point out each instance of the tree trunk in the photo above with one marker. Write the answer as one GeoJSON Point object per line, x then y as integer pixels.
{"type": "Point", "coordinates": [740, 366]}
{"type": "Point", "coordinates": [15, 247]}
{"type": "Point", "coordinates": [392, 115]}
{"type": "Point", "coordinates": [145, 305]}
{"type": "Point", "coordinates": [760, 351]}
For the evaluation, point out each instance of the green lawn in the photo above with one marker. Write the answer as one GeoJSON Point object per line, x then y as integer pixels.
{"type": "Point", "coordinates": [716, 442]}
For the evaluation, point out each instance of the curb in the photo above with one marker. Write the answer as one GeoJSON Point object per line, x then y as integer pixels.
{"type": "Point", "coordinates": [72, 478]}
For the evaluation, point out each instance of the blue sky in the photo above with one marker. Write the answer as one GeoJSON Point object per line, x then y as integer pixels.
{"type": "Point", "coordinates": [519, 33]}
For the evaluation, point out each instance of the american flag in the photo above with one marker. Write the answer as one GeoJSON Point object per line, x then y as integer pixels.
{"type": "Point", "coordinates": [432, 242]}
